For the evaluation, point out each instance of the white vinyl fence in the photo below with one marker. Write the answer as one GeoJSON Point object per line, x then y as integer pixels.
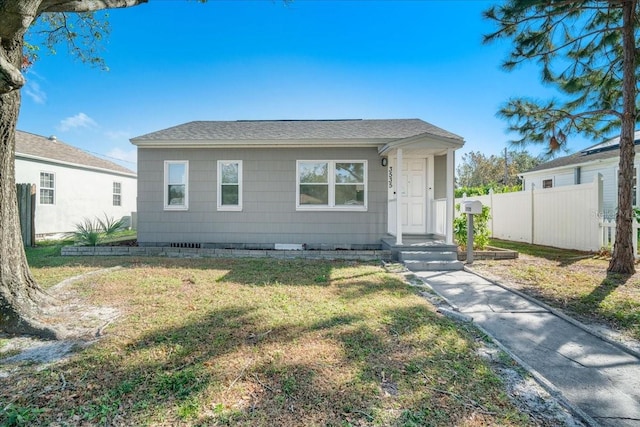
{"type": "Point", "coordinates": [608, 235]}
{"type": "Point", "coordinates": [568, 217]}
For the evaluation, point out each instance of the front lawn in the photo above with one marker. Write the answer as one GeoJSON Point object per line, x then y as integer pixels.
{"type": "Point", "coordinates": [258, 343]}
{"type": "Point", "coordinates": [576, 282]}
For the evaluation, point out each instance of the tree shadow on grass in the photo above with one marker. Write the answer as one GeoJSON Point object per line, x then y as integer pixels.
{"type": "Point", "coordinates": [563, 257]}
{"type": "Point", "coordinates": [232, 367]}
{"type": "Point", "coordinates": [618, 313]}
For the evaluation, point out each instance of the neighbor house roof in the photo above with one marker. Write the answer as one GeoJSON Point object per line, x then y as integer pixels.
{"type": "Point", "coordinates": [608, 149]}
{"type": "Point", "coordinates": [298, 130]}
{"type": "Point", "coordinates": [29, 145]}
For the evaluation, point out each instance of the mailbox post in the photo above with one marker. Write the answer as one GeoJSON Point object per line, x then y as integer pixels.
{"type": "Point", "coordinates": [471, 208]}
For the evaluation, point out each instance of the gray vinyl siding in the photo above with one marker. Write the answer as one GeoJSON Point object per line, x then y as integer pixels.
{"type": "Point", "coordinates": [269, 200]}
{"type": "Point", "coordinates": [440, 177]}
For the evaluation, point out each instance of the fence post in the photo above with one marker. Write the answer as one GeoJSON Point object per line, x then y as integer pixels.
{"type": "Point", "coordinates": [634, 237]}
{"type": "Point", "coordinates": [26, 194]}
{"type": "Point", "coordinates": [532, 213]}
{"type": "Point", "coordinates": [598, 184]}
{"type": "Point", "coordinates": [491, 209]}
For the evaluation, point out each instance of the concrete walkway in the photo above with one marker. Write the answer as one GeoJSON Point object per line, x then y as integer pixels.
{"type": "Point", "coordinates": [599, 380]}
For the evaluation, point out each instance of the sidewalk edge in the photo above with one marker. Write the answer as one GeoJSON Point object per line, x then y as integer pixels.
{"type": "Point", "coordinates": [559, 314]}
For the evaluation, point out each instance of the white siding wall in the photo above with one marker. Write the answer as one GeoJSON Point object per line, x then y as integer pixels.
{"type": "Point", "coordinates": [79, 194]}
{"type": "Point", "coordinates": [565, 177]}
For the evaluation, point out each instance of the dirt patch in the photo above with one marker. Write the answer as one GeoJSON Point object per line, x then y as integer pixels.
{"type": "Point", "coordinates": [526, 393]}
{"type": "Point", "coordinates": [81, 323]}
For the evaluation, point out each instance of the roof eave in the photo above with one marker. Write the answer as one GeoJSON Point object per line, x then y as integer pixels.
{"type": "Point", "coordinates": [434, 141]}
{"type": "Point", "coordinates": [75, 165]}
{"type": "Point", "coordinates": [568, 166]}
{"type": "Point", "coordinates": [271, 143]}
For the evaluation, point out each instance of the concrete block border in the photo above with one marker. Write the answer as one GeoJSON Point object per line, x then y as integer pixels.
{"type": "Point", "coordinates": [354, 255]}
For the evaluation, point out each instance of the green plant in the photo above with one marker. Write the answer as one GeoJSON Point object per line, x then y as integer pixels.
{"type": "Point", "coordinates": [13, 415]}
{"type": "Point", "coordinates": [110, 226]}
{"type": "Point", "coordinates": [90, 233]}
{"type": "Point", "coordinates": [481, 232]}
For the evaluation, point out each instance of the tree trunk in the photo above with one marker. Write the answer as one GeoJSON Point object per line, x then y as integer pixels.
{"type": "Point", "coordinates": [21, 299]}
{"type": "Point", "coordinates": [623, 257]}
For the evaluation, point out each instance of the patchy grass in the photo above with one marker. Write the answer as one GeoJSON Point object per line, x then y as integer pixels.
{"type": "Point", "coordinates": [257, 343]}
{"type": "Point", "coordinates": [576, 282]}
{"type": "Point", "coordinates": [49, 268]}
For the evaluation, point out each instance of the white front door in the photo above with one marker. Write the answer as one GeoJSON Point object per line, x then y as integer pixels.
{"type": "Point", "coordinates": [414, 201]}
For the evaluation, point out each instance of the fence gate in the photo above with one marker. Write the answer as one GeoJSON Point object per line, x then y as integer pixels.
{"type": "Point", "coordinates": [27, 211]}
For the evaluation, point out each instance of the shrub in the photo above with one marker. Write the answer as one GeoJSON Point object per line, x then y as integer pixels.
{"type": "Point", "coordinates": [481, 233]}
{"type": "Point", "coordinates": [90, 233]}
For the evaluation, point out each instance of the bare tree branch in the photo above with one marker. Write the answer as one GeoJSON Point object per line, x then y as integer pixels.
{"type": "Point", "coordinates": [85, 5]}
{"type": "Point", "coordinates": [10, 77]}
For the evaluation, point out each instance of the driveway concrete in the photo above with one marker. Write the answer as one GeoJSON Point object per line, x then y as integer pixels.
{"type": "Point", "coordinates": [601, 381]}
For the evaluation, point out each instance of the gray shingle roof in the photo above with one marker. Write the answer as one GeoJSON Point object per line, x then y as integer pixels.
{"type": "Point", "coordinates": [297, 130]}
{"type": "Point", "coordinates": [574, 159]}
{"type": "Point", "coordinates": [604, 150]}
{"type": "Point", "coordinates": [53, 149]}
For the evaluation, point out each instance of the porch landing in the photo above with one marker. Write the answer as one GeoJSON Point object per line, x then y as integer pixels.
{"type": "Point", "coordinates": [423, 252]}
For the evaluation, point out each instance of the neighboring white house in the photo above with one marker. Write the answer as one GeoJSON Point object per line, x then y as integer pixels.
{"type": "Point", "coordinates": [71, 184]}
{"type": "Point", "coordinates": [582, 167]}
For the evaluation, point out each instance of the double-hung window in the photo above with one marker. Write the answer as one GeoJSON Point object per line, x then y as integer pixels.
{"type": "Point", "coordinates": [229, 185]}
{"type": "Point", "coordinates": [331, 185]}
{"type": "Point", "coordinates": [117, 194]}
{"type": "Point", "coordinates": [176, 185]}
{"type": "Point", "coordinates": [47, 188]}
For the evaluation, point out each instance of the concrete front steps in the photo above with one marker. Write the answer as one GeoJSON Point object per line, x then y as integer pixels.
{"type": "Point", "coordinates": [431, 260]}
{"type": "Point", "coordinates": [424, 253]}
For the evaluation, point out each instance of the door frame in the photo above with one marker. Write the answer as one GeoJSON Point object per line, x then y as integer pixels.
{"type": "Point", "coordinates": [394, 178]}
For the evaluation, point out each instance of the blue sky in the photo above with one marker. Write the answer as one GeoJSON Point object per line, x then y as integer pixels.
{"type": "Point", "coordinates": [172, 62]}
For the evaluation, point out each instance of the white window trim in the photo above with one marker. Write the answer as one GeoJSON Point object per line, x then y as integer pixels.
{"type": "Point", "coordinates": [222, 207]}
{"type": "Point", "coordinates": [116, 194]}
{"type": "Point", "coordinates": [165, 191]}
{"type": "Point", "coordinates": [332, 184]}
{"type": "Point", "coordinates": [553, 183]}
{"type": "Point", "coordinates": [47, 188]}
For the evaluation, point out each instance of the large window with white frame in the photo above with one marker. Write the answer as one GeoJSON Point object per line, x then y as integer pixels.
{"type": "Point", "coordinates": [117, 193]}
{"type": "Point", "coordinates": [229, 185]}
{"type": "Point", "coordinates": [176, 184]}
{"type": "Point", "coordinates": [47, 188]}
{"type": "Point", "coordinates": [331, 185]}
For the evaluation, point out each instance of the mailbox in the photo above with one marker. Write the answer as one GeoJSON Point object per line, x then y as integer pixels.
{"type": "Point", "coordinates": [472, 207]}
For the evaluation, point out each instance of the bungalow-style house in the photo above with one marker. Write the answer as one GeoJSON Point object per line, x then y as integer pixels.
{"type": "Point", "coordinates": [71, 184]}
{"type": "Point", "coordinates": [582, 167]}
{"type": "Point", "coordinates": [312, 184]}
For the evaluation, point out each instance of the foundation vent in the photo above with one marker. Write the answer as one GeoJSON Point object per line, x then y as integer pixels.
{"type": "Point", "coordinates": [185, 245]}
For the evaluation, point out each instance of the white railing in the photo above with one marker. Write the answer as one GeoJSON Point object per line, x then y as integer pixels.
{"type": "Point", "coordinates": [440, 212]}
{"type": "Point", "coordinates": [608, 234]}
